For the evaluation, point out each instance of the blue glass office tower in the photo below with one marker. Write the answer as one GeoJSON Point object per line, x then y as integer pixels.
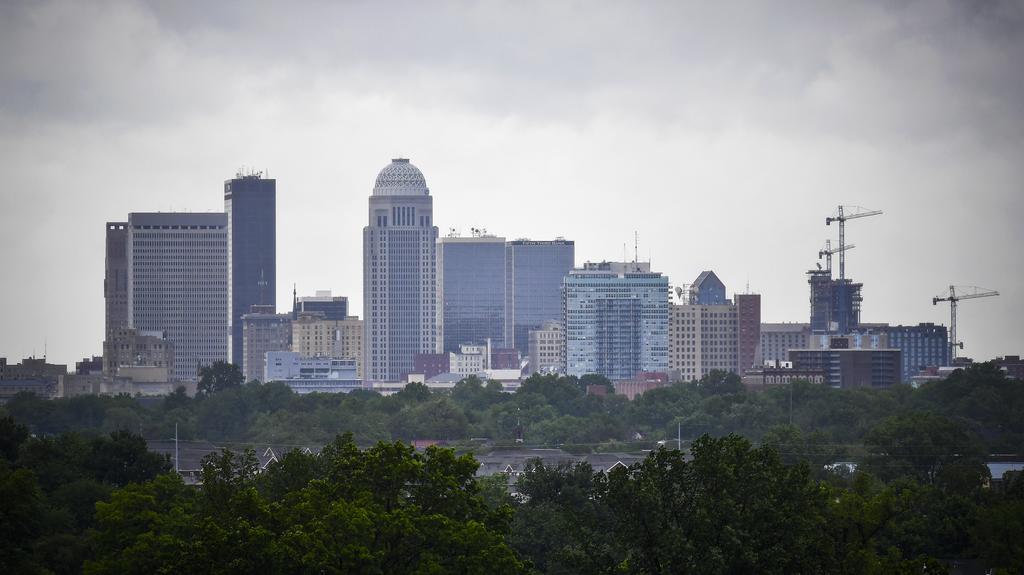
{"type": "Point", "coordinates": [533, 286]}
{"type": "Point", "coordinates": [616, 320]}
{"type": "Point", "coordinates": [707, 289]}
{"type": "Point", "coordinates": [923, 345]}
{"type": "Point", "coordinates": [399, 273]}
{"type": "Point", "coordinates": [471, 289]}
{"type": "Point", "coordinates": [250, 202]}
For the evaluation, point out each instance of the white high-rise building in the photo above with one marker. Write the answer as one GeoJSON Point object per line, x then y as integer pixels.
{"type": "Point", "coordinates": [178, 284]}
{"type": "Point", "coordinates": [399, 273]}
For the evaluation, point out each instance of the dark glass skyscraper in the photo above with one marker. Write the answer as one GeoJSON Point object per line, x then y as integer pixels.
{"type": "Point", "coordinates": [533, 286]}
{"type": "Point", "coordinates": [251, 205]}
{"type": "Point", "coordinates": [471, 289]}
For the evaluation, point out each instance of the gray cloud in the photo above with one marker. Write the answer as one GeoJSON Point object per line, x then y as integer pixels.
{"type": "Point", "coordinates": [724, 133]}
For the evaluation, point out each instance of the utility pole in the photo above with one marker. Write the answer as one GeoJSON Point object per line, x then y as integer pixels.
{"type": "Point", "coordinates": [176, 467]}
{"type": "Point", "coordinates": [679, 436]}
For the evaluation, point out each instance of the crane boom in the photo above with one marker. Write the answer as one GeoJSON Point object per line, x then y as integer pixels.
{"type": "Point", "coordinates": [828, 252]}
{"type": "Point", "coordinates": [972, 292]}
{"type": "Point", "coordinates": [842, 214]}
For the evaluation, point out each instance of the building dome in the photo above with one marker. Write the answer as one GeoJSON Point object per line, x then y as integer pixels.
{"type": "Point", "coordinates": [400, 178]}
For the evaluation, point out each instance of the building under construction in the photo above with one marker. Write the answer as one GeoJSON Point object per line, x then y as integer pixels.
{"type": "Point", "coordinates": [835, 303]}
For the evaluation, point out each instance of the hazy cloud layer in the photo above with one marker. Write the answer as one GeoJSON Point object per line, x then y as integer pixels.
{"type": "Point", "coordinates": [723, 133]}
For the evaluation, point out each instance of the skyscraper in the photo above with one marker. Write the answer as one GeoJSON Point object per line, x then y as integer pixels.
{"type": "Point", "coordinates": [616, 320]}
{"type": "Point", "coordinates": [533, 286]}
{"type": "Point", "coordinates": [835, 303]}
{"type": "Point", "coordinates": [471, 291]}
{"type": "Point", "coordinates": [399, 273]}
{"type": "Point", "coordinates": [250, 202]}
{"type": "Point", "coordinates": [178, 284]}
{"type": "Point", "coordinates": [115, 279]}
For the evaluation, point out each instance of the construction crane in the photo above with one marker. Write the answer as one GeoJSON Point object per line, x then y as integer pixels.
{"type": "Point", "coordinates": [828, 252]}
{"type": "Point", "coordinates": [847, 213]}
{"type": "Point", "coordinates": [957, 293]}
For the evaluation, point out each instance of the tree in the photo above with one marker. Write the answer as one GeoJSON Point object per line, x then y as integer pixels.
{"type": "Point", "coordinates": [388, 509]}
{"type": "Point", "coordinates": [219, 377]}
{"type": "Point", "coordinates": [124, 458]}
{"type": "Point", "coordinates": [921, 446]}
{"type": "Point", "coordinates": [722, 512]}
{"type": "Point", "coordinates": [561, 527]}
{"type": "Point", "coordinates": [12, 435]}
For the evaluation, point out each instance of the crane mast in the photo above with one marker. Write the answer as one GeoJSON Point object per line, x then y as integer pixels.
{"type": "Point", "coordinates": [828, 252]}
{"type": "Point", "coordinates": [842, 215]}
{"type": "Point", "coordinates": [957, 293]}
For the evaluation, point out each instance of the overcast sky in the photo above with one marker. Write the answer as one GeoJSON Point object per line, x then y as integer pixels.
{"type": "Point", "coordinates": [723, 133]}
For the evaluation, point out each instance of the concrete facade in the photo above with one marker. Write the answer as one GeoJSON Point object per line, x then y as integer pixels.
{"type": "Point", "coordinates": [702, 338]}
{"type": "Point", "coordinates": [178, 284]}
{"type": "Point", "coordinates": [547, 348]}
{"type": "Point", "coordinates": [115, 277]}
{"type": "Point", "coordinates": [399, 273]}
{"type": "Point", "coordinates": [778, 338]}
{"type": "Point", "coordinates": [128, 347]}
{"type": "Point", "coordinates": [263, 331]}
{"type": "Point", "coordinates": [748, 315]}
{"type": "Point", "coordinates": [315, 336]}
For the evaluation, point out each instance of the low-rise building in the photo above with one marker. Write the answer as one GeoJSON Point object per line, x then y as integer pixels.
{"type": "Point", "coordinates": [1012, 365]}
{"type": "Point", "coordinates": [312, 374]}
{"type": "Point", "coordinates": [316, 335]}
{"type": "Point", "coordinates": [547, 348]}
{"type": "Point", "coordinates": [778, 338]}
{"type": "Point", "coordinates": [780, 373]}
{"type": "Point", "coordinates": [855, 360]}
{"type": "Point", "coordinates": [31, 368]}
{"type": "Point", "coordinates": [127, 347]}
{"type": "Point", "coordinates": [263, 331]}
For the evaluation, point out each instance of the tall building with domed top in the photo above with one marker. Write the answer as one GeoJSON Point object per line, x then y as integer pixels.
{"type": "Point", "coordinates": [399, 273]}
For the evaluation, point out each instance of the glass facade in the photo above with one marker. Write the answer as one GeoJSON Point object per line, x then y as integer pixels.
{"type": "Point", "coordinates": [616, 320]}
{"type": "Point", "coordinates": [923, 345]}
{"type": "Point", "coordinates": [534, 271]}
{"type": "Point", "coordinates": [471, 289]}
{"type": "Point", "coordinates": [251, 205]}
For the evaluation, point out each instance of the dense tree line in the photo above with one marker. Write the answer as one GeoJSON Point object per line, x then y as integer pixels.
{"type": "Point", "coordinates": [69, 505]}
{"type": "Point", "coordinates": [758, 491]}
{"type": "Point", "coordinates": [980, 406]}
{"type": "Point", "coordinates": [49, 489]}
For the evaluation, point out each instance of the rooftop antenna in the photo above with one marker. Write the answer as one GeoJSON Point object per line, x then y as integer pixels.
{"type": "Point", "coordinates": [295, 297]}
{"type": "Point", "coordinates": [636, 246]}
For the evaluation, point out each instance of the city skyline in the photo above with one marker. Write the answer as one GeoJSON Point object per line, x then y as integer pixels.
{"type": "Point", "coordinates": [732, 167]}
